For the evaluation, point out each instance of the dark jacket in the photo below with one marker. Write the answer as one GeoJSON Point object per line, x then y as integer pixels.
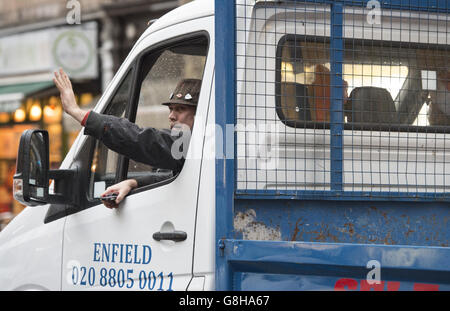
{"type": "Point", "coordinates": [149, 145]}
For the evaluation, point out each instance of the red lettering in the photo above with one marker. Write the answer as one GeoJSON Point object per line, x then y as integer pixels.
{"type": "Point", "coordinates": [376, 286]}
{"type": "Point", "coordinates": [351, 284]}
{"type": "Point", "coordinates": [425, 287]}
{"type": "Point", "coordinates": [393, 286]}
{"type": "Point", "coordinates": [341, 284]}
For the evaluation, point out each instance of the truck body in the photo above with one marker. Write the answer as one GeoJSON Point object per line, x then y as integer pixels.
{"type": "Point", "coordinates": [317, 160]}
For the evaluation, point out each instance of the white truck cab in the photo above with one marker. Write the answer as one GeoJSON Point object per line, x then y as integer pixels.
{"type": "Point", "coordinates": [57, 247]}
{"type": "Point", "coordinates": [318, 158]}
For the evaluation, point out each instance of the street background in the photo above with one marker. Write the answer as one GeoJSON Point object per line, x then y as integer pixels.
{"type": "Point", "coordinates": [89, 39]}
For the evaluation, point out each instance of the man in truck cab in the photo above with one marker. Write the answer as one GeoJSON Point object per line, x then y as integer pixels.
{"type": "Point", "coordinates": [149, 145]}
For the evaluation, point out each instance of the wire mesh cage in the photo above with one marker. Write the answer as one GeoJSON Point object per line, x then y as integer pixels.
{"type": "Point", "coordinates": [344, 98]}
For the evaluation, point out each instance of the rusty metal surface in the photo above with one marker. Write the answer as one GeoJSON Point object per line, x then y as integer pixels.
{"type": "Point", "coordinates": [387, 223]}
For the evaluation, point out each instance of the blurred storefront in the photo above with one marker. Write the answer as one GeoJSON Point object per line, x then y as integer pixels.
{"type": "Point", "coordinates": [33, 43]}
{"type": "Point", "coordinates": [29, 98]}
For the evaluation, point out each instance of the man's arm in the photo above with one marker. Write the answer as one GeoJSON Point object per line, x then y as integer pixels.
{"type": "Point", "coordinates": [148, 178]}
{"type": "Point", "coordinates": [148, 145]}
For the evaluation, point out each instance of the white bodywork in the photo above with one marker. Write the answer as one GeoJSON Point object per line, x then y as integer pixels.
{"type": "Point", "coordinates": [65, 254]}
{"type": "Point", "coordinates": [34, 255]}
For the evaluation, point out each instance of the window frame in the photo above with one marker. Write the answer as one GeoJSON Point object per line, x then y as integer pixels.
{"type": "Point", "coordinates": [123, 162]}
{"type": "Point", "coordinates": [83, 157]}
{"type": "Point", "coordinates": [93, 142]}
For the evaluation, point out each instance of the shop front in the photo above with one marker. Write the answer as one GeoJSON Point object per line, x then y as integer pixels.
{"type": "Point", "coordinates": [29, 98]}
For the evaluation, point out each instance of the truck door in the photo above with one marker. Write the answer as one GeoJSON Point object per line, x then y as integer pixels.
{"type": "Point", "coordinates": [147, 243]}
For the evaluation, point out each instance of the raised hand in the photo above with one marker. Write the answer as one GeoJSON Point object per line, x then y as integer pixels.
{"type": "Point", "coordinates": [68, 101]}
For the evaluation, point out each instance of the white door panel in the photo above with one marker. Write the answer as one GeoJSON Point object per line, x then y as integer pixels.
{"type": "Point", "coordinates": [117, 245]}
{"type": "Point", "coordinates": [115, 249]}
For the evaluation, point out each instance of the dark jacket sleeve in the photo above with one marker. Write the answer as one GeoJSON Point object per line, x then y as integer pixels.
{"type": "Point", "coordinates": [153, 178]}
{"type": "Point", "coordinates": [148, 145]}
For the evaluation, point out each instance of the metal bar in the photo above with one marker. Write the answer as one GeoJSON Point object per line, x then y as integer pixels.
{"type": "Point", "coordinates": [384, 153]}
{"type": "Point", "coordinates": [225, 102]}
{"type": "Point", "coordinates": [347, 195]}
{"type": "Point", "coordinates": [430, 264]}
{"type": "Point", "coordinates": [336, 115]}
{"type": "Point", "coordinates": [440, 6]}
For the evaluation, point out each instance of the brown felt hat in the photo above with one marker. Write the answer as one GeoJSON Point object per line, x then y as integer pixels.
{"type": "Point", "coordinates": [186, 92]}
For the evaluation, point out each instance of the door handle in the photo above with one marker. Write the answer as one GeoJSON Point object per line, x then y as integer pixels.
{"type": "Point", "coordinates": [176, 236]}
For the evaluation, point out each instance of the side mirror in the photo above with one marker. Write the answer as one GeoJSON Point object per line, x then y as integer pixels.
{"type": "Point", "coordinates": [31, 180]}
{"type": "Point", "coordinates": [31, 177]}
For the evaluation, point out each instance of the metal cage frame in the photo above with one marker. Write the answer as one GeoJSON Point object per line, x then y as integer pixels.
{"type": "Point", "coordinates": [227, 195]}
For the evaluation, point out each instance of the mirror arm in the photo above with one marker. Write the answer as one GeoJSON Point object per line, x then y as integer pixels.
{"type": "Point", "coordinates": [60, 174]}
{"type": "Point", "coordinates": [63, 187]}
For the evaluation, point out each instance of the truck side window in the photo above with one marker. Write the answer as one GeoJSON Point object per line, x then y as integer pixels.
{"type": "Point", "coordinates": [384, 88]}
{"type": "Point", "coordinates": [160, 73]}
{"type": "Point", "coordinates": [104, 161]}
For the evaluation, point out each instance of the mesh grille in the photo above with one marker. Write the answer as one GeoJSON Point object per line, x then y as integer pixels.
{"type": "Point", "coordinates": [348, 100]}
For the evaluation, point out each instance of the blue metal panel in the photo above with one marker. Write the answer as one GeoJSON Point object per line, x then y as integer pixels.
{"type": "Point", "coordinates": [225, 103]}
{"type": "Point", "coordinates": [263, 265]}
{"type": "Point", "coordinates": [410, 5]}
{"type": "Point", "coordinates": [394, 223]}
{"type": "Point", "coordinates": [344, 196]}
{"type": "Point", "coordinates": [324, 236]}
